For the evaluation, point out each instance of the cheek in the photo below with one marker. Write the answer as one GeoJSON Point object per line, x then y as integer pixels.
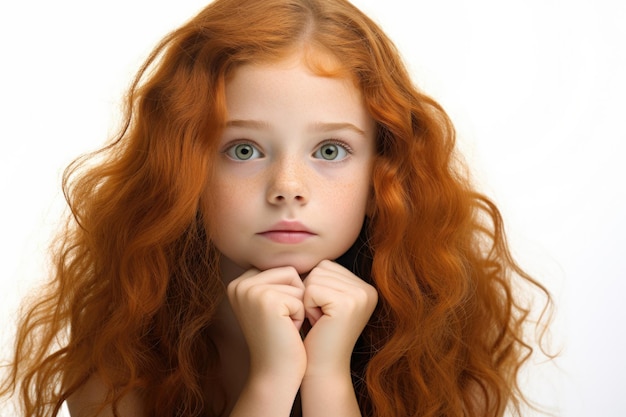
{"type": "Point", "coordinates": [233, 189]}
{"type": "Point", "coordinates": [224, 201]}
{"type": "Point", "coordinates": [230, 199]}
{"type": "Point", "coordinates": [359, 192]}
{"type": "Point", "coordinates": [350, 202]}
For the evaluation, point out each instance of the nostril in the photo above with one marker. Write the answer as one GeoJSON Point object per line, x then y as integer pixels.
{"type": "Point", "coordinates": [285, 198]}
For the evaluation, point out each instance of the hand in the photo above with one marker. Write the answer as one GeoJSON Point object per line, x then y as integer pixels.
{"type": "Point", "coordinates": [269, 308]}
{"type": "Point", "coordinates": [338, 304]}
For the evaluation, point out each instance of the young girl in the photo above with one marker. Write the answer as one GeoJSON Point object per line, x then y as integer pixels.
{"type": "Point", "coordinates": [280, 227]}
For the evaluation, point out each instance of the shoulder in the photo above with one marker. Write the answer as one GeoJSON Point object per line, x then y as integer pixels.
{"type": "Point", "coordinates": [89, 400]}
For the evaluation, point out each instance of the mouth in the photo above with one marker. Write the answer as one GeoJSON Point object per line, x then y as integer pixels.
{"type": "Point", "coordinates": [287, 233]}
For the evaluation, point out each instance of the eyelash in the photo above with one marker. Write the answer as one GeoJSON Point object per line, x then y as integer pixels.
{"type": "Point", "coordinates": [337, 142]}
{"type": "Point", "coordinates": [227, 149]}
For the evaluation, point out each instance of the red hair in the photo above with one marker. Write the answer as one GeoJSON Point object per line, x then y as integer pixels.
{"type": "Point", "coordinates": [137, 284]}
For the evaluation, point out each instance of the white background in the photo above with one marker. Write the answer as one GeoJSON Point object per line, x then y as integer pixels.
{"type": "Point", "coordinates": [536, 90]}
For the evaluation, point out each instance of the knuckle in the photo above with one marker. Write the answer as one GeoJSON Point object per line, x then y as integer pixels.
{"type": "Point", "coordinates": [363, 295]}
{"type": "Point", "coordinates": [232, 288]}
{"type": "Point", "coordinates": [371, 291]}
{"type": "Point", "coordinates": [255, 292]}
{"type": "Point", "coordinates": [351, 304]}
{"type": "Point", "coordinates": [291, 270]}
{"type": "Point", "coordinates": [266, 298]}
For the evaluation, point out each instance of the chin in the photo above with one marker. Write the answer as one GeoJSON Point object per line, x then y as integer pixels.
{"type": "Point", "coordinates": [303, 266]}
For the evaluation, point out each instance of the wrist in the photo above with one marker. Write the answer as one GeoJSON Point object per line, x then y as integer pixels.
{"type": "Point", "coordinates": [284, 369]}
{"type": "Point", "coordinates": [331, 394]}
{"type": "Point", "coordinates": [279, 378]}
{"type": "Point", "coordinates": [335, 368]}
{"type": "Point", "coordinates": [266, 395]}
{"type": "Point", "coordinates": [336, 377]}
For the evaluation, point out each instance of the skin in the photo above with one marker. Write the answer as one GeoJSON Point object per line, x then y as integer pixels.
{"type": "Point", "coordinates": [287, 121]}
{"type": "Point", "coordinates": [297, 147]}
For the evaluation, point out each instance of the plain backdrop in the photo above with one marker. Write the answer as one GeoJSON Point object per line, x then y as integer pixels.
{"type": "Point", "coordinates": [536, 89]}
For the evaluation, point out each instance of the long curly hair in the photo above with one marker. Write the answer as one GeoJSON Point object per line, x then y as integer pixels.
{"type": "Point", "coordinates": [136, 283]}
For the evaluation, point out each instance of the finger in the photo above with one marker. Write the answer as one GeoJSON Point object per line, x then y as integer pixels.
{"type": "Point", "coordinates": [232, 286]}
{"type": "Point", "coordinates": [324, 296]}
{"type": "Point", "coordinates": [331, 274]}
{"type": "Point", "coordinates": [337, 277]}
{"type": "Point", "coordinates": [261, 298]}
{"type": "Point", "coordinates": [283, 275]}
{"type": "Point", "coordinates": [294, 309]}
{"type": "Point", "coordinates": [318, 300]}
{"type": "Point", "coordinates": [313, 314]}
{"type": "Point", "coordinates": [253, 277]}
{"type": "Point", "coordinates": [327, 265]}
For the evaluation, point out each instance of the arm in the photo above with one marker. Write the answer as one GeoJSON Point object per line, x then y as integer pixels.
{"type": "Point", "coordinates": [338, 304]}
{"type": "Point", "coordinates": [268, 306]}
{"type": "Point", "coordinates": [269, 396]}
{"type": "Point", "coordinates": [329, 396]}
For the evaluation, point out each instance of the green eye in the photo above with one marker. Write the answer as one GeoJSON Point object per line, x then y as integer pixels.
{"type": "Point", "coordinates": [243, 152]}
{"type": "Point", "coordinates": [331, 152]}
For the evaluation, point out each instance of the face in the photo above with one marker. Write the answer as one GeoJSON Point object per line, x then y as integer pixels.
{"type": "Point", "coordinates": [292, 177]}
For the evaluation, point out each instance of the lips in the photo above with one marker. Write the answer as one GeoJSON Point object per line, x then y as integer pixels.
{"type": "Point", "coordinates": [287, 232]}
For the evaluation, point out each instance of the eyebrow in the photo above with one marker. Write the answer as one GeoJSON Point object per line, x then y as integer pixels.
{"type": "Point", "coordinates": [314, 127]}
{"type": "Point", "coordinates": [329, 127]}
{"type": "Point", "coordinates": [255, 124]}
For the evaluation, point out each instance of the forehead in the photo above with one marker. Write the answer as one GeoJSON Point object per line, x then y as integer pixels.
{"type": "Point", "coordinates": [289, 93]}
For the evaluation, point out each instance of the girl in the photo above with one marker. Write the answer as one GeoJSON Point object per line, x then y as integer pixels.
{"type": "Point", "coordinates": [280, 227]}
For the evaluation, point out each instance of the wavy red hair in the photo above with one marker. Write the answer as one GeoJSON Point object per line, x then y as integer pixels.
{"type": "Point", "coordinates": [136, 281]}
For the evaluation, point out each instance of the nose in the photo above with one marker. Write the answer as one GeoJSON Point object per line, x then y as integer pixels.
{"type": "Point", "coordinates": [288, 183]}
